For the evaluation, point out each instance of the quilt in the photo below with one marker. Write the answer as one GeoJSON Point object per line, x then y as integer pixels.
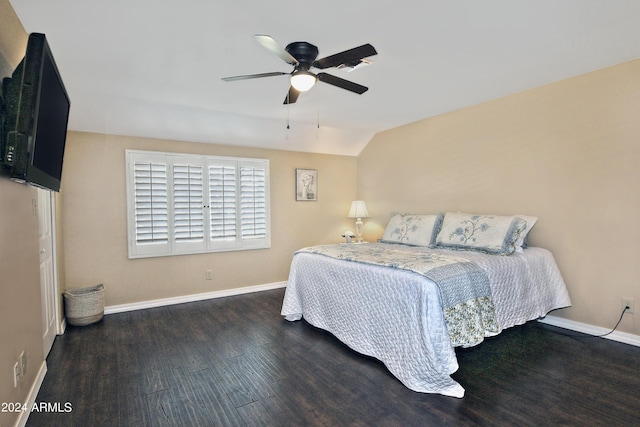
{"type": "Point", "coordinates": [464, 287]}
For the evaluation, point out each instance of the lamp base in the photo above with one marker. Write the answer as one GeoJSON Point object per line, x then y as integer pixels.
{"type": "Point", "coordinates": [359, 224]}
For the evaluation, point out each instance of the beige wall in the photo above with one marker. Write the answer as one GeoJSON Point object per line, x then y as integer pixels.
{"type": "Point", "coordinates": [20, 316]}
{"type": "Point", "coordinates": [568, 152]}
{"type": "Point", "coordinates": [95, 223]}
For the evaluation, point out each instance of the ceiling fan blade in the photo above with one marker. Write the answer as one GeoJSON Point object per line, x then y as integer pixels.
{"type": "Point", "coordinates": [351, 55]}
{"type": "Point", "coordinates": [272, 46]}
{"type": "Point", "coordinates": [253, 76]}
{"type": "Point", "coordinates": [292, 96]}
{"type": "Point", "coordinates": [342, 83]}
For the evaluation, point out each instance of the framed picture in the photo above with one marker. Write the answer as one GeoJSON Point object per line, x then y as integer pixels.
{"type": "Point", "coordinates": [306, 184]}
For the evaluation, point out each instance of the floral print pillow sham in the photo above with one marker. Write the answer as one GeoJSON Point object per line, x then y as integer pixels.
{"type": "Point", "coordinates": [493, 234]}
{"type": "Point", "coordinates": [415, 230]}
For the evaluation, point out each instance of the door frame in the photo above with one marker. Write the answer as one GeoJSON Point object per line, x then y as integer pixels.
{"type": "Point", "coordinates": [57, 296]}
{"type": "Point", "coordinates": [50, 298]}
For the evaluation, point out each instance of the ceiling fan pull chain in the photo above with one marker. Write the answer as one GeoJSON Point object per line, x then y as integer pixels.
{"type": "Point", "coordinates": [288, 107]}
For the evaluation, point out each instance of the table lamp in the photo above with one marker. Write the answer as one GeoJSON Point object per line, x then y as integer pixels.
{"type": "Point", "coordinates": [358, 210]}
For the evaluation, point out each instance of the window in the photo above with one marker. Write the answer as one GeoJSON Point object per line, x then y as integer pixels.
{"type": "Point", "coordinates": [185, 204]}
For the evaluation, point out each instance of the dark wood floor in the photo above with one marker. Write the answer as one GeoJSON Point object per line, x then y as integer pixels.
{"type": "Point", "coordinates": [234, 362]}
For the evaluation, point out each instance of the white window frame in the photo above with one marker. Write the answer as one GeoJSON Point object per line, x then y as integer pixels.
{"type": "Point", "coordinates": [176, 184]}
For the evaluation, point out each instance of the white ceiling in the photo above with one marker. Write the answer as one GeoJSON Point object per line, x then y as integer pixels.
{"type": "Point", "coordinates": [154, 67]}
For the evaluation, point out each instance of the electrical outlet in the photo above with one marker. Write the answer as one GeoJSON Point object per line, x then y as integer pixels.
{"type": "Point", "coordinates": [209, 275]}
{"type": "Point", "coordinates": [629, 303]}
{"type": "Point", "coordinates": [16, 374]}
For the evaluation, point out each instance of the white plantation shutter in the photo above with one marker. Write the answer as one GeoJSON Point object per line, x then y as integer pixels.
{"type": "Point", "coordinates": [253, 213]}
{"type": "Point", "coordinates": [223, 202]}
{"type": "Point", "coordinates": [149, 210]}
{"type": "Point", "coordinates": [181, 204]}
{"type": "Point", "coordinates": [188, 206]}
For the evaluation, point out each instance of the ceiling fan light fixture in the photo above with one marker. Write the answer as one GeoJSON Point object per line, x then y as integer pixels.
{"type": "Point", "coordinates": [303, 80]}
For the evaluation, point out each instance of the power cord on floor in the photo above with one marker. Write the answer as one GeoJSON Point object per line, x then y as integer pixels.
{"type": "Point", "coordinates": [615, 327]}
{"type": "Point", "coordinates": [585, 335]}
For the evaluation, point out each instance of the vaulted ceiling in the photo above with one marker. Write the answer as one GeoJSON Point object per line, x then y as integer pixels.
{"type": "Point", "coordinates": [154, 68]}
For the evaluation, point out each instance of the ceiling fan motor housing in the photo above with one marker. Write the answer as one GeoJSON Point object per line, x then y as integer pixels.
{"type": "Point", "coordinates": [304, 52]}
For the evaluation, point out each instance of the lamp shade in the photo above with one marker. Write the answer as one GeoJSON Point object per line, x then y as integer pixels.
{"type": "Point", "coordinates": [303, 80]}
{"type": "Point", "coordinates": [358, 209]}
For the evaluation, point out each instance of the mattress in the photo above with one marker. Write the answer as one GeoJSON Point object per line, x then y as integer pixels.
{"type": "Point", "coordinates": [396, 315]}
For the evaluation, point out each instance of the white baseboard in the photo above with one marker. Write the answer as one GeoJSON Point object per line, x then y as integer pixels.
{"type": "Point", "coordinates": [62, 326]}
{"type": "Point", "coordinates": [191, 298]}
{"type": "Point", "coordinates": [33, 394]}
{"type": "Point", "coordinates": [591, 330]}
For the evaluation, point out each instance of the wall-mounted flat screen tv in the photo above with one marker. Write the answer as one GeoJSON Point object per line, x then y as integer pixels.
{"type": "Point", "coordinates": [36, 115]}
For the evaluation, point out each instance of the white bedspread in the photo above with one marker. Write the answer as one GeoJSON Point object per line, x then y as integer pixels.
{"type": "Point", "coordinates": [396, 315]}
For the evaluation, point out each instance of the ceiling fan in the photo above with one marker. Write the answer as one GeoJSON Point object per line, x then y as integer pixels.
{"type": "Point", "coordinates": [302, 56]}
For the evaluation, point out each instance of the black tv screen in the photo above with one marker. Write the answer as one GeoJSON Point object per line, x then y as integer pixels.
{"type": "Point", "coordinates": [35, 144]}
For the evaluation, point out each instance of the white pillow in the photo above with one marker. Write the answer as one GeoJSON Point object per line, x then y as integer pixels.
{"type": "Point", "coordinates": [416, 230]}
{"type": "Point", "coordinates": [493, 234]}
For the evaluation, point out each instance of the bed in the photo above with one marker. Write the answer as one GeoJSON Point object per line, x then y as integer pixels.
{"type": "Point", "coordinates": [410, 305]}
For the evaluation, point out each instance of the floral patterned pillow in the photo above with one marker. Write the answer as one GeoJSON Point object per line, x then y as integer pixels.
{"type": "Point", "coordinates": [522, 240]}
{"type": "Point", "coordinates": [493, 234]}
{"type": "Point", "coordinates": [416, 230]}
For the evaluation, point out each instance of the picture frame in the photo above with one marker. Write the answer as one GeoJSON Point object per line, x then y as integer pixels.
{"type": "Point", "coordinates": [306, 185]}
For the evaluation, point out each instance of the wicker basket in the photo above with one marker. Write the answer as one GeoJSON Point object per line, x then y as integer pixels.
{"type": "Point", "coordinates": [84, 306]}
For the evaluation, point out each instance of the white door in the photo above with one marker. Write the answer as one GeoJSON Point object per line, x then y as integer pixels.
{"type": "Point", "coordinates": [48, 283]}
